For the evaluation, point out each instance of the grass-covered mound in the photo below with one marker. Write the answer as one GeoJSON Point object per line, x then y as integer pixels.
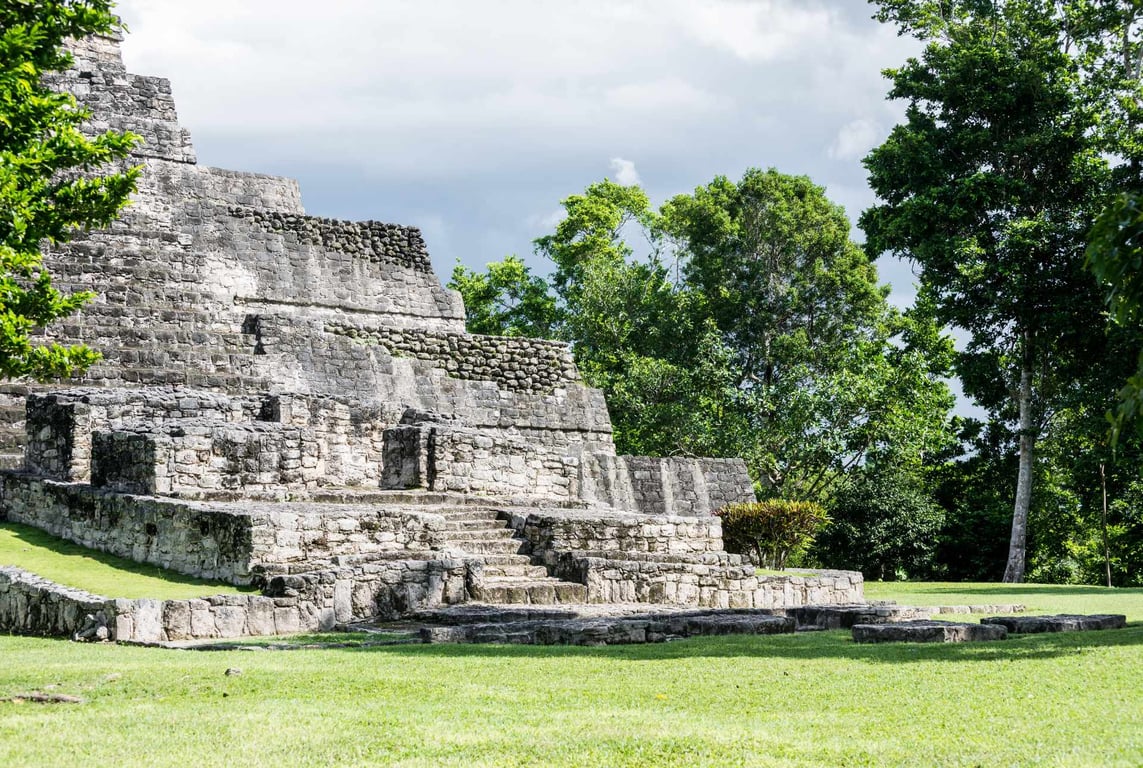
{"type": "Point", "coordinates": [796, 700]}
{"type": "Point", "coordinates": [97, 572]}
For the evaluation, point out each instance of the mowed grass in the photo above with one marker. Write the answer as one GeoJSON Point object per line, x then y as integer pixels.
{"type": "Point", "coordinates": [798, 700]}
{"type": "Point", "coordinates": [97, 572]}
{"type": "Point", "coordinates": [1036, 598]}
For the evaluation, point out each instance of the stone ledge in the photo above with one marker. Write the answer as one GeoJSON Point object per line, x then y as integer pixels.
{"type": "Point", "coordinates": [1026, 625]}
{"type": "Point", "coordinates": [610, 630]}
{"type": "Point", "coordinates": [927, 632]}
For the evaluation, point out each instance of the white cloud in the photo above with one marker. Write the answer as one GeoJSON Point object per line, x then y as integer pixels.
{"type": "Point", "coordinates": [855, 139]}
{"type": "Point", "coordinates": [763, 30]}
{"type": "Point", "coordinates": [487, 114]}
{"type": "Point", "coordinates": [625, 172]}
{"type": "Point", "coordinates": [545, 222]}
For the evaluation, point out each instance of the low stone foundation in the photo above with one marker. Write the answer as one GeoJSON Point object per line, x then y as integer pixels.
{"type": "Point", "coordinates": [313, 602]}
{"type": "Point", "coordinates": [30, 605]}
{"type": "Point", "coordinates": [1026, 625]}
{"type": "Point", "coordinates": [231, 541]}
{"type": "Point", "coordinates": [927, 632]}
{"type": "Point", "coordinates": [611, 630]}
{"type": "Point", "coordinates": [706, 585]}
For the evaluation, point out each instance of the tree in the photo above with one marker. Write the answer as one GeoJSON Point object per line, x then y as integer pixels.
{"type": "Point", "coordinates": [828, 374]}
{"type": "Point", "coordinates": [749, 325]}
{"type": "Point", "coordinates": [507, 300]}
{"type": "Point", "coordinates": [50, 184]}
{"type": "Point", "coordinates": [885, 524]}
{"type": "Point", "coordinates": [990, 186]}
{"type": "Point", "coordinates": [1115, 255]}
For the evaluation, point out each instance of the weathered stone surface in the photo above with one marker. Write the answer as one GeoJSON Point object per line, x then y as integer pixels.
{"type": "Point", "coordinates": [927, 632]}
{"type": "Point", "coordinates": [608, 630]}
{"type": "Point", "coordinates": [845, 616]}
{"type": "Point", "coordinates": [293, 402]}
{"type": "Point", "coordinates": [1023, 625]}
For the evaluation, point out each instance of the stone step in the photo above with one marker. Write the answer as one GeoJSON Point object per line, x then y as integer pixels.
{"type": "Point", "coordinates": [505, 560]}
{"type": "Point", "coordinates": [454, 524]}
{"type": "Point", "coordinates": [161, 376]}
{"type": "Point", "coordinates": [521, 570]}
{"type": "Point", "coordinates": [187, 335]}
{"type": "Point", "coordinates": [200, 320]}
{"type": "Point", "coordinates": [491, 547]}
{"type": "Point", "coordinates": [480, 534]}
{"type": "Point", "coordinates": [462, 513]}
{"type": "Point", "coordinates": [530, 592]}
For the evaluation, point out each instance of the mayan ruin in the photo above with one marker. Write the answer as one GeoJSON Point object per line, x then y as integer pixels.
{"type": "Point", "coordinates": [293, 403]}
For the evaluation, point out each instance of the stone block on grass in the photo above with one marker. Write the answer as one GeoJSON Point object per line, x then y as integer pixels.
{"type": "Point", "coordinates": [1027, 625]}
{"type": "Point", "coordinates": [927, 632]}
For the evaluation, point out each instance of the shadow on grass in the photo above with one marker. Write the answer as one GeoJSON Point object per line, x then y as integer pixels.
{"type": "Point", "coordinates": [809, 646]}
{"type": "Point", "coordinates": [50, 546]}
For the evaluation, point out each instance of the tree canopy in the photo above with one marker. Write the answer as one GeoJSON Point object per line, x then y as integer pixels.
{"type": "Point", "coordinates": [746, 323]}
{"type": "Point", "coordinates": [990, 186]}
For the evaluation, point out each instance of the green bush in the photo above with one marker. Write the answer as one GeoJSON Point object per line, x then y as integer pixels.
{"type": "Point", "coordinates": [771, 531]}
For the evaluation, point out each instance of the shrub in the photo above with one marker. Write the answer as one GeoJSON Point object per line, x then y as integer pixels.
{"type": "Point", "coordinates": [771, 531]}
{"type": "Point", "coordinates": [883, 524]}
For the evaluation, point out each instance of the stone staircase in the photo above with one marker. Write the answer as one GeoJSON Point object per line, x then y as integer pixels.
{"type": "Point", "coordinates": [510, 577]}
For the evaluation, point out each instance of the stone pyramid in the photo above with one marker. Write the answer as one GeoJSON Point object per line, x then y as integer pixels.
{"type": "Point", "coordinates": [294, 402]}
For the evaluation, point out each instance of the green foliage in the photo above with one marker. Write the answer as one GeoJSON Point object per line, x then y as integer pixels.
{"type": "Point", "coordinates": [49, 176]}
{"type": "Point", "coordinates": [885, 524]}
{"type": "Point", "coordinates": [989, 186]}
{"type": "Point", "coordinates": [593, 232]}
{"type": "Point", "coordinates": [771, 531]}
{"type": "Point", "coordinates": [750, 325]}
{"type": "Point", "coordinates": [828, 374]}
{"type": "Point", "coordinates": [507, 300]}
{"type": "Point", "coordinates": [1115, 255]}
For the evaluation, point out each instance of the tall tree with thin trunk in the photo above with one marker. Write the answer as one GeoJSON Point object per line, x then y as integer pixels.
{"type": "Point", "coordinates": [990, 186]}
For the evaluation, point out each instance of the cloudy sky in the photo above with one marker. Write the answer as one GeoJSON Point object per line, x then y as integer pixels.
{"type": "Point", "coordinates": [473, 118]}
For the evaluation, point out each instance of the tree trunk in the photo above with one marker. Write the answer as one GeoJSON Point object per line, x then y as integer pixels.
{"type": "Point", "coordinates": [1103, 525]}
{"type": "Point", "coordinates": [1014, 572]}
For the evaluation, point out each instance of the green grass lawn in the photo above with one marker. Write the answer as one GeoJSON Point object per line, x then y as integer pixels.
{"type": "Point", "coordinates": [801, 700]}
{"type": "Point", "coordinates": [97, 572]}
{"type": "Point", "coordinates": [1036, 598]}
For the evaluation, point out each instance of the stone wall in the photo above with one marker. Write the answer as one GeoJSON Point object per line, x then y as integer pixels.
{"type": "Point", "coordinates": [373, 241]}
{"type": "Point", "coordinates": [233, 542]}
{"type": "Point", "coordinates": [716, 583]}
{"type": "Point", "coordinates": [30, 605]}
{"type": "Point", "coordinates": [551, 535]}
{"type": "Point", "coordinates": [306, 358]}
{"type": "Point", "coordinates": [207, 441]}
{"type": "Point", "coordinates": [59, 425]}
{"type": "Point", "coordinates": [515, 364]}
{"type": "Point", "coordinates": [676, 485]}
{"type": "Point", "coordinates": [126, 102]}
{"type": "Point", "coordinates": [441, 457]}
{"type": "Point", "coordinates": [195, 455]}
{"type": "Point", "coordinates": [319, 266]}
{"type": "Point", "coordinates": [350, 435]}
